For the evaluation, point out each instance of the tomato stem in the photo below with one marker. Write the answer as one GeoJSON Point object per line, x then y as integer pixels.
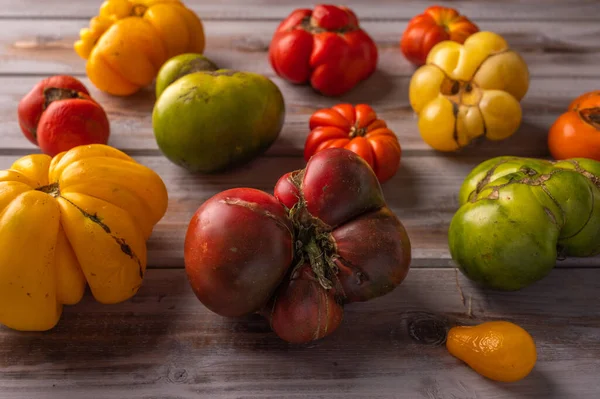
{"type": "Point", "coordinates": [313, 243]}
{"type": "Point", "coordinates": [591, 116]}
{"type": "Point", "coordinates": [355, 131]}
{"type": "Point", "coordinates": [316, 259]}
{"type": "Point", "coordinates": [51, 189]}
{"type": "Point", "coordinates": [308, 25]}
{"type": "Point", "coordinates": [138, 10]}
{"type": "Point", "coordinates": [52, 94]}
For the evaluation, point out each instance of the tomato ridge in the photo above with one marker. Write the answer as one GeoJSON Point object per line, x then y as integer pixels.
{"type": "Point", "coordinates": [125, 248]}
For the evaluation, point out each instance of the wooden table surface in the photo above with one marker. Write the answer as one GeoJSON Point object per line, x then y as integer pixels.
{"type": "Point", "coordinates": [164, 344]}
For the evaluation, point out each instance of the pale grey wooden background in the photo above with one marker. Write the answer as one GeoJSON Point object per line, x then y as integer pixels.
{"type": "Point", "coordinates": [164, 344]}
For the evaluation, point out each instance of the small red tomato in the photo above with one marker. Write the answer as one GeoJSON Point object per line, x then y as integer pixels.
{"type": "Point", "coordinates": [59, 114]}
{"type": "Point", "coordinates": [325, 47]}
{"type": "Point", "coordinates": [435, 25]}
{"type": "Point", "coordinates": [357, 129]}
{"type": "Point", "coordinates": [576, 133]}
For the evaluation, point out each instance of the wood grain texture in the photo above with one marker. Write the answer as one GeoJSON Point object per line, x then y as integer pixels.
{"type": "Point", "coordinates": [559, 10]}
{"type": "Point", "coordinates": [423, 194]}
{"type": "Point", "coordinates": [164, 344]}
{"type": "Point", "coordinates": [550, 49]}
{"type": "Point", "coordinates": [131, 118]}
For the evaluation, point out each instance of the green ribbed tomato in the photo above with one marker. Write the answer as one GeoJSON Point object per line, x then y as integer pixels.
{"type": "Point", "coordinates": [518, 215]}
{"type": "Point", "coordinates": [211, 120]}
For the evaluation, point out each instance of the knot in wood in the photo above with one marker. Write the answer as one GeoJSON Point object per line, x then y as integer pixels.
{"type": "Point", "coordinates": [427, 329]}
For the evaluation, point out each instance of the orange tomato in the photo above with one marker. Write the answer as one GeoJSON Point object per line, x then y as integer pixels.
{"type": "Point", "coordinates": [576, 133]}
{"type": "Point", "coordinates": [498, 350]}
{"type": "Point", "coordinates": [435, 25]}
{"type": "Point", "coordinates": [357, 129]}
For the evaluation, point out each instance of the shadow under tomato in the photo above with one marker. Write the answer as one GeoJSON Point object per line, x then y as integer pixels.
{"type": "Point", "coordinates": [260, 173]}
{"type": "Point", "coordinates": [374, 90]}
{"type": "Point", "coordinates": [537, 385]}
{"type": "Point", "coordinates": [90, 333]}
{"type": "Point", "coordinates": [399, 191]}
{"type": "Point", "coordinates": [529, 141]}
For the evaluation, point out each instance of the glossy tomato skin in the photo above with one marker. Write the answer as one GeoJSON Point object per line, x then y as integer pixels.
{"type": "Point", "coordinates": [576, 133]}
{"type": "Point", "coordinates": [326, 238]}
{"type": "Point", "coordinates": [238, 248]}
{"type": "Point", "coordinates": [33, 104]}
{"type": "Point", "coordinates": [358, 129]}
{"type": "Point", "coordinates": [372, 248]}
{"type": "Point", "coordinates": [435, 25]}
{"type": "Point", "coordinates": [69, 124]}
{"type": "Point", "coordinates": [337, 185]}
{"type": "Point", "coordinates": [302, 311]}
{"type": "Point", "coordinates": [286, 191]}
{"type": "Point", "coordinates": [58, 114]}
{"type": "Point", "coordinates": [373, 257]}
{"type": "Point", "coordinates": [324, 47]}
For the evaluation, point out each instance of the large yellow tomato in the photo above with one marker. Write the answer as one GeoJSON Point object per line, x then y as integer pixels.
{"type": "Point", "coordinates": [82, 217]}
{"type": "Point", "coordinates": [469, 91]}
{"type": "Point", "coordinates": [129, 40]}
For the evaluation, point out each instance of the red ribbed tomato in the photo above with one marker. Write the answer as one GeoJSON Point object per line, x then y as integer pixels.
{"type": "Point", "coordinates": [325, 238]}
{"type": "Point", "coordinates": [325, 47]}
{"type": "Point", "coordinates": [435, 25]}
{"type": "Point", "coordinates": [357, 129]}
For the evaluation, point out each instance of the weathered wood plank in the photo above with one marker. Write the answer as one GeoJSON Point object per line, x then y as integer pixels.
{"type": "Point", "coordinates": [423, 194]}
{"type": "Point", "coordinates": [131, 121]}
{"type": "Point", "coordinates": [550, 49]}
{"type": "Point", "coordinates": [383, 9]}
{"type": "Point", "coordinates": [164, 344]}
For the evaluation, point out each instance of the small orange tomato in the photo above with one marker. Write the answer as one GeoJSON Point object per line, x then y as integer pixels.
{"type": "Point", "coordinates": [435, 25]}
{"type": "Point", "coordinates": [357, 129]}
{"type": "Point", "coordinates": [576, 133]}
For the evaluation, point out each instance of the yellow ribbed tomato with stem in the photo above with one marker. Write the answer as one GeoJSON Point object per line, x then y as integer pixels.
{"type": "Point", "coordinates": [499, 350]}
{"type": "Point", "coordinates": [467, 91]}
{"type": "Point", "coordinates": [129, 40]}
{"type": "Point", "coordinates": [80, 218]}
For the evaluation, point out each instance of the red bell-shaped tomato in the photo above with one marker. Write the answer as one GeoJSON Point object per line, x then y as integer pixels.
{"type": "Point", "coordinates": [325, 47]}
{"type": "Point", "coordinates": [329, 240]}
{"type": "Point", "coordinates": [359, 130]}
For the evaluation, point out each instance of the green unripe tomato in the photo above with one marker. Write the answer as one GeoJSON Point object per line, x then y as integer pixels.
{"type": "Point", "coordinates": [180, 66]}
{"type": "Point", "coordinates": [210, 121]}
{"type": "Point", "coordinates": [518, 215]}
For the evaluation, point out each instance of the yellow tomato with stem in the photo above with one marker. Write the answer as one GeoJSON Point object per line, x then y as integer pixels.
{"type": "Point", "coordinates": [80, 218]}
{"type": "Point", "coordinates": [467, 91]}
{"type": "Point", "coordinates": [129, 40]}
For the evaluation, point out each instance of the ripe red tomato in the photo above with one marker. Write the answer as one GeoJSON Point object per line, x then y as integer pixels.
{"type": "Point", "coordinates": [325, 47]}
{"type": "Point", "coordinates": [435, 25]}
{"type": "Point", "coordinates": [302, 311]}
{"type": "Point", "coordinates": [326, 238]}
{"type": "Point", "coordinates": [356, 129]}
{"type": "Point", "coordinates": [238, 247]}
{"type": "Point", "coordinates": [59, 114]}
{"type": "Point", "coordinates": [576, 133]}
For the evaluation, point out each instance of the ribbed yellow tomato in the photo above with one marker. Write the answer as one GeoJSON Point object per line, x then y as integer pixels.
{"type": "Point", "coordinates": [129, 40]}
{"type": "Point", "coordinates": [469, 91]}
{"type": "Point", "coordinates": [82, 217]}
